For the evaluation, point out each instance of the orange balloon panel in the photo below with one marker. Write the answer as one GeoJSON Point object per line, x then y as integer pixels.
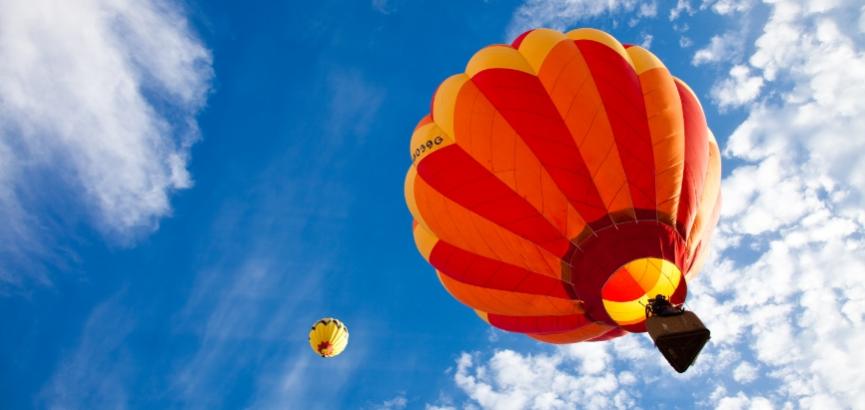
{"type": "Point", "coordinates": [561, 181]}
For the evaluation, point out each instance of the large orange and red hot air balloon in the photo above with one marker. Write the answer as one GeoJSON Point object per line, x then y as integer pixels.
{"type": "Point", "coordinates": [562, 181]}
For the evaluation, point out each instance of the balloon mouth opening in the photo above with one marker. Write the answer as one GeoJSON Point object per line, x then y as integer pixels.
{"type": "Point", "coordinates": [628, 290]}
{"type": "Point", "coordinates": [325, 349]}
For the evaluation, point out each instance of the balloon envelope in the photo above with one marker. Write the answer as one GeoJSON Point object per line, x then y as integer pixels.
{"type": "Point", "coordinates": [328, 337]}
{"type": "Point", "coordinates": [560, 182]}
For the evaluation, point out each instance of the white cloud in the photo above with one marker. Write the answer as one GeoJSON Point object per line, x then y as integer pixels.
{"type": "Point", "coordinates": [742, 402]}
{"type": "Point", "coordinates": [721, 48]}
{"type": "Point", "coordinates": [647, 40]}
{"type": "Point", "coordinates": [739, 89]}
{"type": "Point", "coordinates": [97, 107]}
{"type": "Point", "coordinates": [648, 9]}
{"type": "Point", "coordinates": [396, 403]}
{"type": "Point", "coordinates": [753, 192]}
{"type": "Point", "coordinates": [745, 372]}
{"type": "Point", "coordinates": [725, 7]}
{"type": "Point", "coordinates": [543, 381]}
{"type": "Point", "coordinates": [563, 14]}
{"type": "Point", "coordinates": [685, 42]}
{"type": "Point", "coordinates": [682, 6]}
{"type": "Point", "coordinates": [823, 106]}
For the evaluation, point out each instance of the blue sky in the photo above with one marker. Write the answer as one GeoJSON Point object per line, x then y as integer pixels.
{"type": "Point", "coordinates": [186, 187]}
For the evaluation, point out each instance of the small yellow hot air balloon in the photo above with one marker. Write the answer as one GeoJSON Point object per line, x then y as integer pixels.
{"type": "Point", "coordinates": [328, 337]}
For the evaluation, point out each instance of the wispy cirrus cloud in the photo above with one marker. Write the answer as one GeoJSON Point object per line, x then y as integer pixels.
{"type": "Point", "coordinates": [97, 114]}
{"type": "Point", "coordinates": [384, 6]}
{"type": "Point", "coordinates": [354, 104]}
{"type": "Point", "coordinates": [96, 373]}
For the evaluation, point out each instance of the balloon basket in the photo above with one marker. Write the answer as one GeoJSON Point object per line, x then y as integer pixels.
{"type": "Point", "coordinates": [680, 338]}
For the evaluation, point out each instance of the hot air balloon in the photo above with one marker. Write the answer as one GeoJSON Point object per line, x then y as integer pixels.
{"type": "Point", "coordinates": [561, 183]}
{"type": "Point", "coordinates": [328, 337]}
